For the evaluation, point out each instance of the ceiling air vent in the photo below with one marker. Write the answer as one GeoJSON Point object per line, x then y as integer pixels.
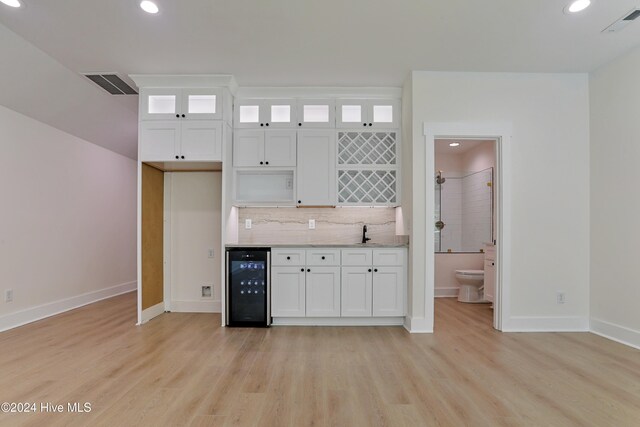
{"type": "Point", "coordinates": [623, 22]}
{"type": "Point", "coordinates": [111, 83]}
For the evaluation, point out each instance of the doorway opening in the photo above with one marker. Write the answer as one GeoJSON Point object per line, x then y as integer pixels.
{"type": "Point", "coordinates": [464, 231]}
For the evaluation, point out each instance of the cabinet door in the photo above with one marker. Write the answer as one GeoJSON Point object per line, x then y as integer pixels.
{"type": "Point", "coordinates": [201, 140]}
{"type": "Point", "coordinates": [159, 140]}
{"type": "Point", "coordinates": [316, 113]}
{"type": "Point", "coordinates": [383, 113]}
{"type": "Point", "coordinates": [489, 280]}
{"type": "Point", "coordinates": [280, 148]}
{"type": "Point", "coordinates": [160, 104]}
{"type": "Point", "coordinates": [323, 292]}
{"type": "Point", "coordinates": [280, 113]}
{"type": "Point", "coordinates": [249, 113]}
{"type": "Point", "coordinates": [201, 104]}
{"type": "Point", "coordinates": [352, 113]}
{"type": "Point", "coordinates": [317, 168]}
{"type": "Point", "coordinates": [248, 148]}
{"type": "Point", "coordinates": [287, 291]}
{"type": "Point", "coordinates": [356, 291]}
{"type": "Point", "coordinates": [388, 291]}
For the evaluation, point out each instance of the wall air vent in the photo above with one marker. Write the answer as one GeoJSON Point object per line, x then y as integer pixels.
{"type": "Point", "coordinates": [111, 83]}
{"type": "Point", "coordinates": [623, 22]}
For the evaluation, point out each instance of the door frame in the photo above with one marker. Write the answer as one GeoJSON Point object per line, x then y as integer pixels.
{"type": "Point", "coordinates": [501, 133]}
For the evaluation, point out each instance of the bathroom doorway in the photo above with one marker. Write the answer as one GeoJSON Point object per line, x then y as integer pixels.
{"type": "Point", "coordinates": [464, 224]}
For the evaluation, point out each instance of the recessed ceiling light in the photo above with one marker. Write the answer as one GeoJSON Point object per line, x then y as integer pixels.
{"type": "Point", "coordinates": [454, 144]}
{"type": "Point", "coordinates": [577, 6]}
{"type": "Point", "coordinates": [147, 6]}
{"type": "Point", "coordinates": [12, 3]}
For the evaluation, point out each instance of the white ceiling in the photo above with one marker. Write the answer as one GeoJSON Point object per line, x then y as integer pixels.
{"type": "Point", "coordinates": [305, 43]}
{"type": "Point", "coordinates": [442, 145]}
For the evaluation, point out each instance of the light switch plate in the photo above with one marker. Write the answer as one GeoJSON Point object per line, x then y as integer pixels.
{"type": "Point", "coordinates": [312, 224]}
{"type": "Point", "coordinates": [247, 224]}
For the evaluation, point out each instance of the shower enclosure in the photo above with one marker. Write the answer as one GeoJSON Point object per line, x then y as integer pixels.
{"type": "Point", "coordinates": [463, 220]}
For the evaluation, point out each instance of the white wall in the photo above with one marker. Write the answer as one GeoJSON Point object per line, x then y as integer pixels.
{"type": "Point", "coordinates": [196, 215]}
{"type": "Point", "coordinates": [549, 114]}
{"type": "Point", "coordinates": [68, 218]}
{"type": "Point", "coordinates": [615, 205]}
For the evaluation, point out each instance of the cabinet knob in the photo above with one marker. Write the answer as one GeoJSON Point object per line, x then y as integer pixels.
{"type": "Point", "coordinates": [493, 263]}
{"type": "Point", "coordinates": [323, 257]}
{"type": "Point", "coordinates": [261, 124]}
{"type": "Point", "coordinates": [266, 124]}
{"type": "Point", "coordinates": [185, 116]}
{"type": "Point", "coordinates": [302, 269]}
{"type": "Point", "coordinates": [364, 124]}
{"type": "Point", "coordinates": [288, 258]}
{"type": "Point", "coordinates": [266, 163]}
{"type": "Point", "coordinates": [177, 157]}
{"type": "Point", "coordinates": [369, 270]}
{"type": "Point", "coordinates": [375, 270]}
{"type": "Point", "coordinates": [299, 124]}
{"type": "Point", "coordinates": [299, 201]}
{"type": "Point", "coordinates": [370, 124]}
{"type": "Point", "coordinates": [182, 157]}
{"type": "Point", "coordinates": [178, 115]}
{"type": "Point", "coordinates": [261, 163]}
{"type": "Point", "coordinates": [308, 270]}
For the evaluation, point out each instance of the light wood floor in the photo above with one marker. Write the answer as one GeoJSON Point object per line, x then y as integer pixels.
{"type": "Point", "coordinates": [183, 369]}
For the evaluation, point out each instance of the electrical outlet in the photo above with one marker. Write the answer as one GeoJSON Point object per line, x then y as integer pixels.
{"type": "Point", "coordinates": [561, 297]}
{"type": "Point", "coordinates": [8, 295]}
{"type": "Point", "coordinates": [289, 183]}
{"type": "Point", "coordinates": [206, 291]}
{"type": "Point", "coordinates": [210, 253]}
{"type": "Point", "coordinates": [312, 224]}
{"type": "Point", "coordinates": [247, 224]}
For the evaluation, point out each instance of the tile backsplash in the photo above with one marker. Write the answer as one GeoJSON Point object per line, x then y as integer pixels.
{"type": "Point", "coordinates": [333, 225]}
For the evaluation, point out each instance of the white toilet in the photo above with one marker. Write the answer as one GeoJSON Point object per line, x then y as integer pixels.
{"type": "Point", "coordinates": [471, 285]}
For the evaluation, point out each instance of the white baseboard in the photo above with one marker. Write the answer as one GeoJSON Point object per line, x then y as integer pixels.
{"type": "Point", "coordinates": [32, 314]}
{"type": "Point", "coordinates": [546, 324]}
{"type": "Point", "coordinates": [446, 292]}
{"type": "Point", "coordinates": [196, 306]}
{"type": "Point", "coordinates": [151, 312]}
{"type": "Point", "coordinates": [417, 325]}
{"type": "Point", "coordinates": [621, 334]}
{"type": "Point", "coordinates": [338, 321]}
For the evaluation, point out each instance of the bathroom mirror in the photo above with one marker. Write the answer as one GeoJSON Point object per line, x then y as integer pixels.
{"type": "Point", "coordinates": [463, 219]}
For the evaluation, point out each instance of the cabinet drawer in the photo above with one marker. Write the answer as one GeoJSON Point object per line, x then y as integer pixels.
{"type": "Point", "coordinates": [288, 257]}
{"type": "Point", "coordinates": [389, 257]}
{"type": "Point", "coordinates": [357, 257]}
{"type": "Point", "coordinates": [323, 257]}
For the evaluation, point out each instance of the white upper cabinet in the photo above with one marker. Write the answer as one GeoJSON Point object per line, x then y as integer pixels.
{"type": "Point", "coordinates": [369, 113]}
{"type": "Point", "coordinates": [264, 113]}
{"type": "Point", "coordinates": [171, 140]}
{"type": "Point", "coordinates": [316, 168]}
{"type": "Point", "coordinates": [316, 113]}
{"type": "Point", "coordinates": [257, 148]}
{"type": "Point", "coordinates": [189, 104]}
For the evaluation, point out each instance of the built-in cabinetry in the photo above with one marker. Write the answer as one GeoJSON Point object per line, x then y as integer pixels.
{"type": "Point", "coordinates": [180, 124]}
{"type": "Point", "coordinates": [332, 282]}
{"type": "Point", "coordinates": [489, 272]}
{"type": "Point", "coordinates": [353, 161]}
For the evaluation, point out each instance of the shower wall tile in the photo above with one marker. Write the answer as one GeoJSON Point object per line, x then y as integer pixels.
{"type": "Point", "coordinates": [333, 226]}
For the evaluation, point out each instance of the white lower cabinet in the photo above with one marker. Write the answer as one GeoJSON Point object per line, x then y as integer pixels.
{"type": "Point", "coordinates": [388, 291]}
{"type": "Point", "coordinates": [344, 283]}
{"type": "Point", "coordinates": [323, 291]}
{"type": "Point", "coordinates": [356, 291]}
{"type": "Point", "coordinates": [288, 292]}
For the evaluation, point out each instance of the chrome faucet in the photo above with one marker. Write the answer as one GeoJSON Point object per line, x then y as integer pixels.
{"type": "Point", "coordinates": [365, 239]}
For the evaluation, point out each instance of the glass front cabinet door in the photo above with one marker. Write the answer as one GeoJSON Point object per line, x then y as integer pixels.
{"type": "Point", "coordinates": [180, 104]}
{"type": "Point", "coordinates": [368, 113]}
